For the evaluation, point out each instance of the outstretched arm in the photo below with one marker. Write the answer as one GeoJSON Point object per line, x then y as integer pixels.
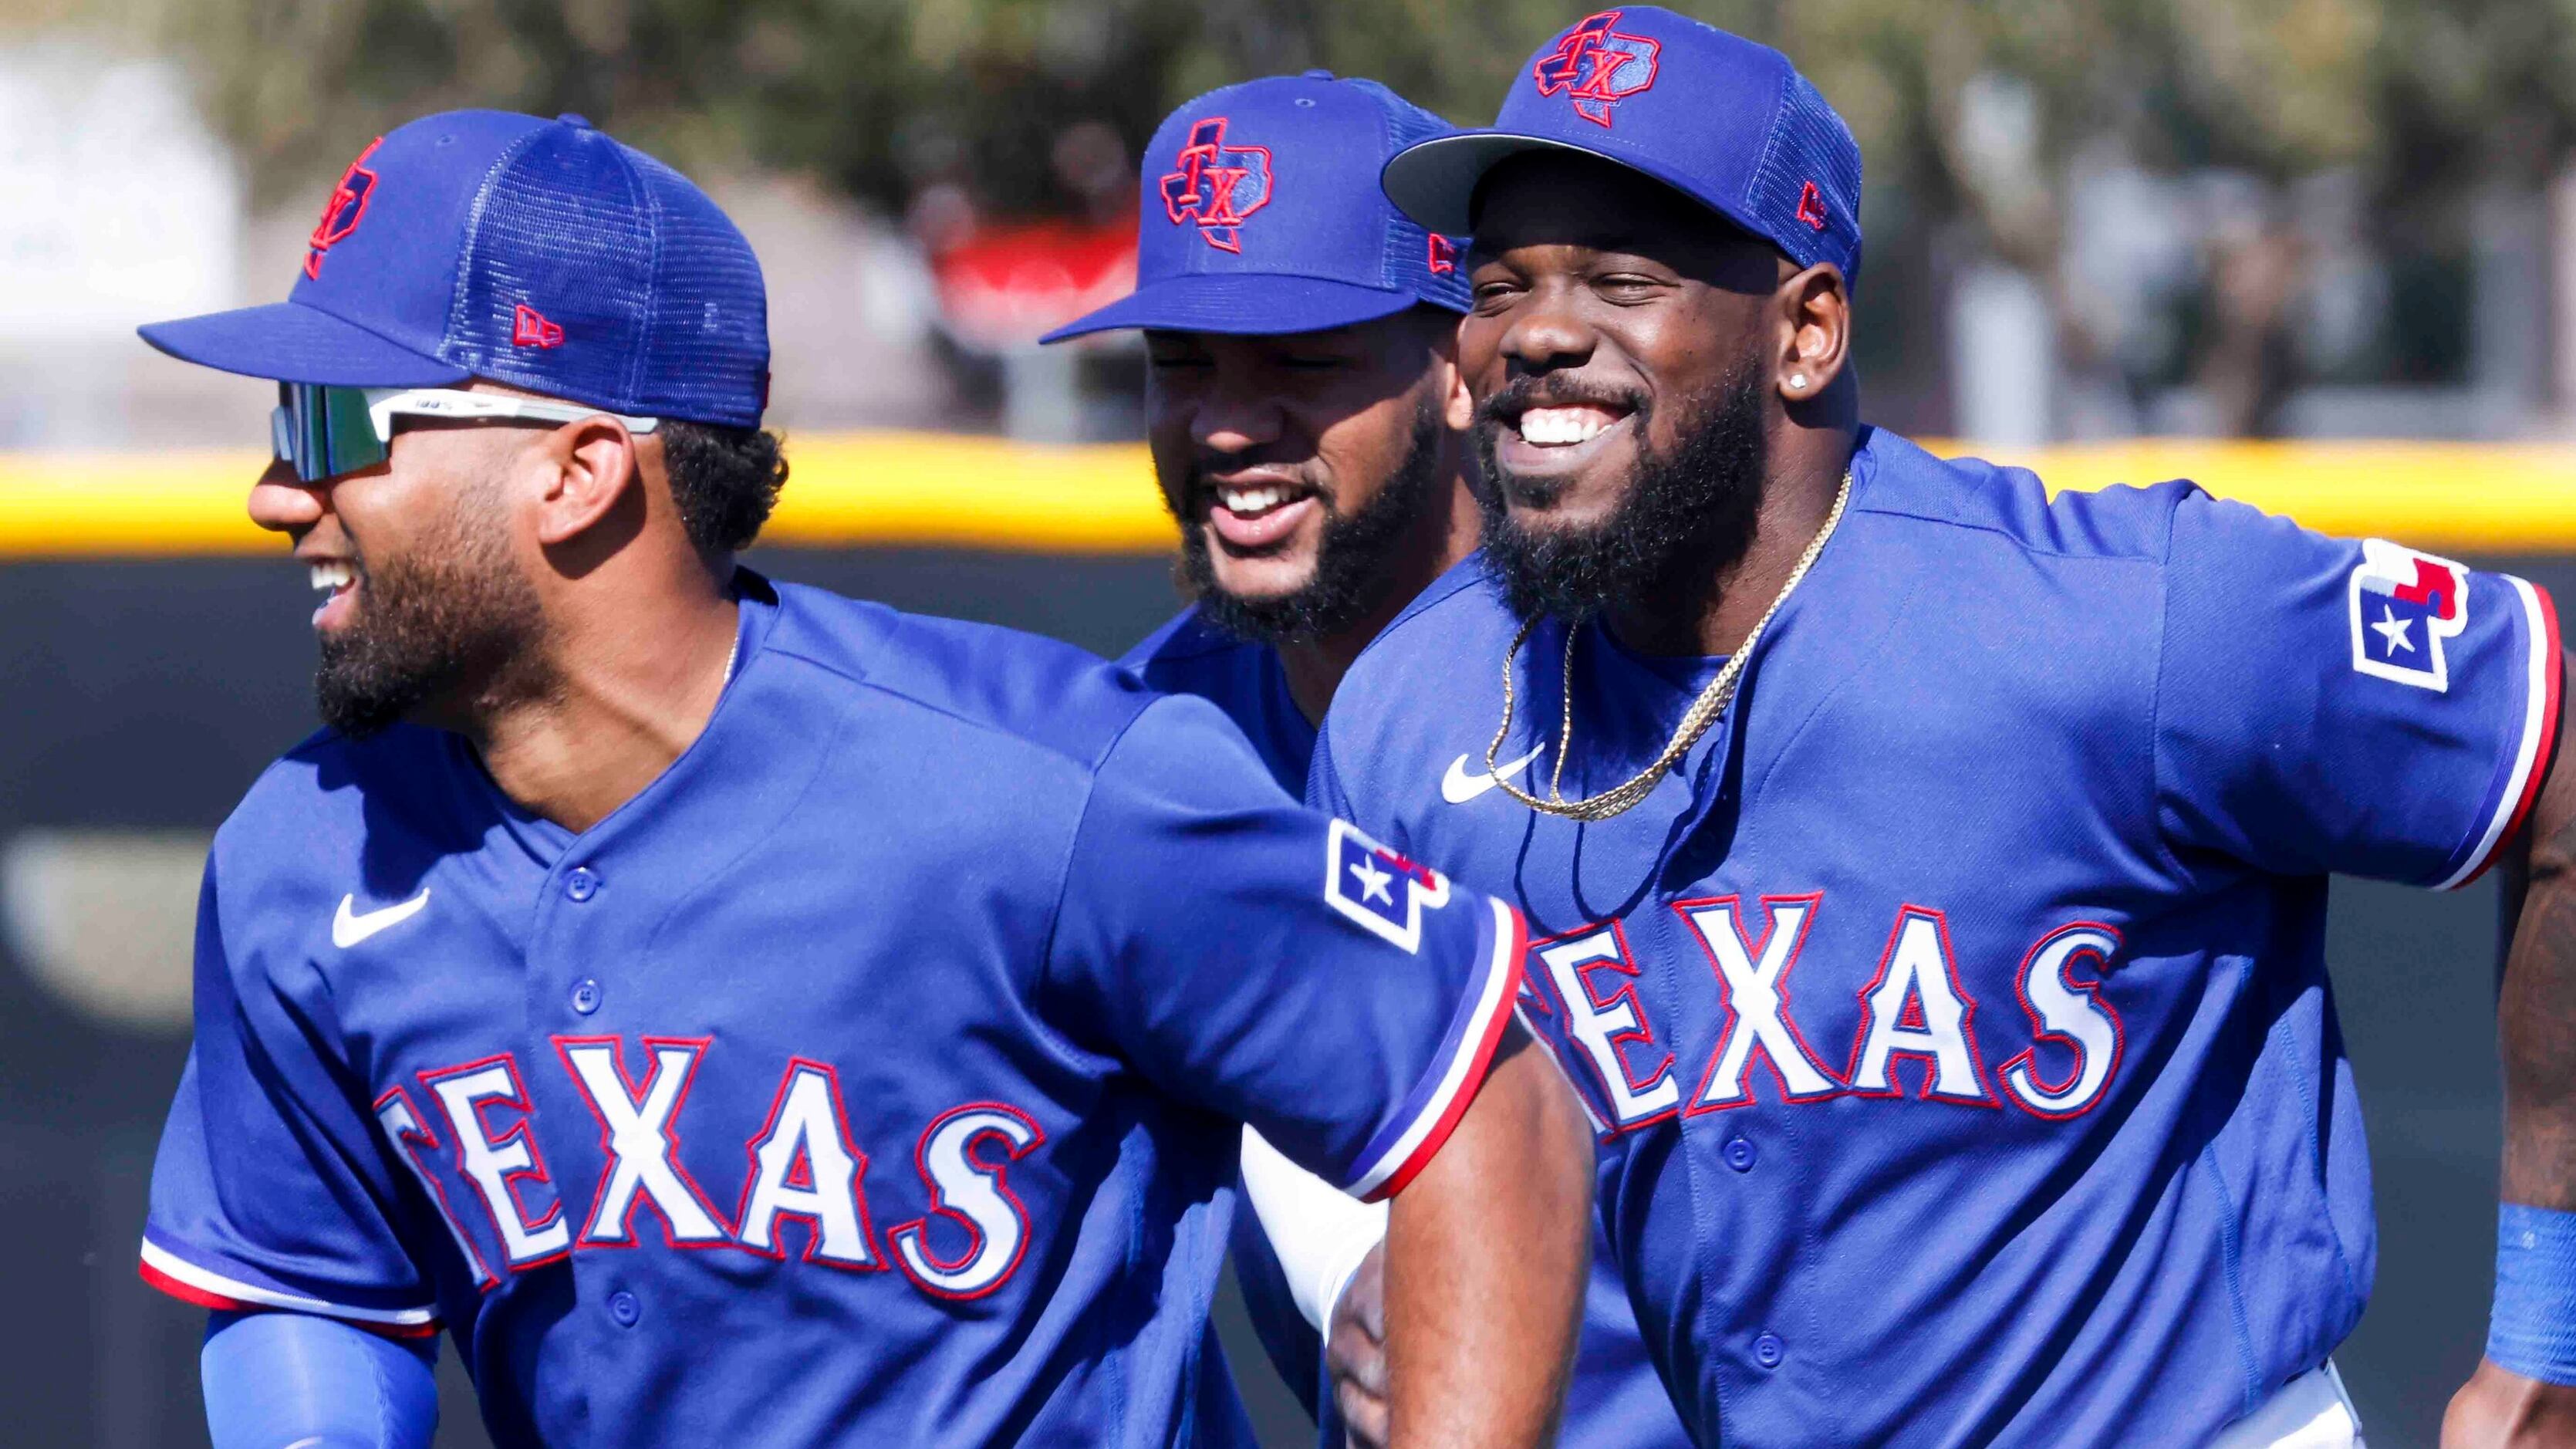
{"type": "Point", "coordinates": [2524, 1391]}
{"type": "Point", "coordinates": [1486, 1257]}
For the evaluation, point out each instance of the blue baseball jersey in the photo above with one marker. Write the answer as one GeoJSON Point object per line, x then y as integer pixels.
{"type": "Point", "coordinates": [1615, 1400]}
{"type": "Point", "coordinates": [1955, 1015]}
{"type": "Point", "coordinates": [1188, 655]}
{"type": "Point", "coordinates": [872, 1077]}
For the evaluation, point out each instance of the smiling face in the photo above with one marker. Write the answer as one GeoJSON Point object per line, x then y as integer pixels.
{"type": "Point", "coordinates": [427, 608]}
{"type": "Point", "coordinates": [1300, 467]}
{"type": "Point", "coordinates": [1618, 355]}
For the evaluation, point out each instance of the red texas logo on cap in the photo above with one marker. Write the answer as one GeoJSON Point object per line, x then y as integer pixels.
{"type": "Point", "coordinates": [1217, 185]}
{"type": "Point", "coordinates": [1597, 67]}
{"type": "Point", "coordinates": [340, 214]}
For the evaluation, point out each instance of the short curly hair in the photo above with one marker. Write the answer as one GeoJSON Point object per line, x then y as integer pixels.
{"type": "Point", "coordinates": [724, 481]}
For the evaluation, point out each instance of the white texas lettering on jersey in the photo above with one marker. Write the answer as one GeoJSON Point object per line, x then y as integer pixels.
{"type": "Point", "coordinates": [1755, 982]}
{"type": "Point", "coordinates": [494, 1164]}
{"type": "Point", "coordinates": [1604, 1025]}
{"type": "Point", "coordinates": [1913, 1009]}
{"type": "Point", "coordinates": [635, 1132]}
{"type": "Point", "coordinates": [972, 1192]}
{"type": "Point", "coordinates": [411, 1137]}
{"type": "Point", "coordinates": [1916, 1009]}
{"type": "Point", "coordinates": [2071, 1013]}
{"type": "Point", "coordinates": [804, 1166]}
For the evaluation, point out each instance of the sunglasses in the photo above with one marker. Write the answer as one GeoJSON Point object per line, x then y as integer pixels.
{"type": "Point", "coordinates": [325, 432]}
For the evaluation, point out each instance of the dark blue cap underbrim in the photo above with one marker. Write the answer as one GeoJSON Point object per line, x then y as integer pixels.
{"type": "Point", "coordinates": [287, 342]}
{"type": "Point", "coordinates": [1249, 304]}
{"type": "Point", "coordinates": [1434, 182]}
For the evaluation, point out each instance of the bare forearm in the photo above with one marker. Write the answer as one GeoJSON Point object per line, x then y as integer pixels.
{"type": "Point", "coordinates": [1487, 1254]}
{"type": "Point", "coordinates": [2536, 1011]}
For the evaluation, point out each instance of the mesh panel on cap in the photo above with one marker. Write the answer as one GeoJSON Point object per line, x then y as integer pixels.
{"type": "Point", "coordinates": [1810, 143]}
{"type": "Point", "coordinates": [1408, 244]}
{"type": "Point", "coordinates": [595, 273]}
{"type": "Point", "coordinates": [562, 235]}
{"type": "Point", "coordinates": [706, 342]}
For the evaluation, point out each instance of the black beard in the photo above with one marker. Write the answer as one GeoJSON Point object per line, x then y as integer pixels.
{"type": "Point", "coordinates": [1352, 559]}
{"type": "Point", "coordinates": [1684, 520]}
{"type": "Point", "coordinates": [457, 622]}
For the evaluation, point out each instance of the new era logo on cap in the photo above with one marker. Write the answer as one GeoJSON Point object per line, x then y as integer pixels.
{"type": "Point", "coordinates": [529, 328]}
{"type": "Point", "coordinates": [1725, 121]}
{"type": "Point", "coordinates": [536, 253]}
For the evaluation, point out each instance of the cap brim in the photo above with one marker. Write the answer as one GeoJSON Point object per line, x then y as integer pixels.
{"type": "Point", "coordinates": [288, 342]}
{"type": "Point", "coordinates": [1246, 304]}
{"type": "Point", "coordinates": [1435, 182]}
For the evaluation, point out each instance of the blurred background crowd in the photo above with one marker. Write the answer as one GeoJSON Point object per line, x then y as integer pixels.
{"type": "Point", "coordinates": [2318, 221]}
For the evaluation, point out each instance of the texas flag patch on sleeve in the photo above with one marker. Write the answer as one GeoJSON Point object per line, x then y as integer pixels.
{"type": "Point", "coordinates": [1378, 888]}
{"type": "Point", "coordinates": [2404, 605]}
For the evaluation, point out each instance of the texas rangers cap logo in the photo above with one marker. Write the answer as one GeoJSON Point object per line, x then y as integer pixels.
{"type": "Point", "coordinates": [1378, 888]}
{"type": "Point", "coordinates": [1217, 185]}
{"type": "Point", "coordinates": [341, 213]}
{"type": "Point", "coordinates": [2404, 604]}
{"type": "Point", "coordinates": [1596, 67]}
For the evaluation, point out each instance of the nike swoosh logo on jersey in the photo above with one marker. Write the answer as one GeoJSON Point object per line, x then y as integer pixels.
{"type": "Point", "coordinates": [350, 927]}
{"type": "Point", "coordinates": [1458, 787]}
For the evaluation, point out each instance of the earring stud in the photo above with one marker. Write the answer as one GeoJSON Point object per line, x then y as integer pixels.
{"type": "Point", "coordinates": [1798, 382]}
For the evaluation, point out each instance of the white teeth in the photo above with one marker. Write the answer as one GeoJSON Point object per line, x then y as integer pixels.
{"type": "Point", "coordinates": [1251, 500]}
{"type": "Point", "coordinates": [1557, 427]}
{"type": "Point", "coordinates": [332, 577]}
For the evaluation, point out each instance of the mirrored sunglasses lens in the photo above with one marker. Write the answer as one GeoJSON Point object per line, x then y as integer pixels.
{"type": "Point", "coordinates": [351, 433]}
{"type": "Point", "coordinates": [324, 431]}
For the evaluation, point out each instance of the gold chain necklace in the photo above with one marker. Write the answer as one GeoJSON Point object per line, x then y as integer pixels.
{"type": "Point", "coordinates": [1703, 712]}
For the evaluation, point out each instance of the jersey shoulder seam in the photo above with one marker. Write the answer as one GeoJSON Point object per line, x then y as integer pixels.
{"type": "Point", "coordinates": [2156, 704]}
{"type": "Point", "coordinates": [2020, 541]}
{"type": "Point", "coordinates": [971, 721]}
{"type": "Point", "coordinates": [1054, 1040]}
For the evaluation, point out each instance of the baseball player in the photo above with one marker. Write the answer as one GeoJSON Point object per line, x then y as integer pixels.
{"type": "Point", "coordinates": [1301, 341]}
{"type": "Point", "coordinates": [1928, 876]}
{"type": "Point", "coordinates": [741, 1014]}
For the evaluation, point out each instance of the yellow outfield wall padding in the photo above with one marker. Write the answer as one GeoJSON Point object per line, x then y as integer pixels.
{"type": "Point", "coordinates": [934, 489]}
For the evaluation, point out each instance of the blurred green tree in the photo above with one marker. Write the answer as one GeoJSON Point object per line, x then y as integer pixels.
{"type": "Point", "coordinates": [1969, 111]}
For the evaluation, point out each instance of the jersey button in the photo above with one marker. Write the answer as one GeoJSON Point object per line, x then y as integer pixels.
{"type": "Point", "coordinates": [1740, 1154]}
{"type": "Point", "coordinates": [623, 1307]}
{"type": "Point", "coordinates": [1768, 1350]}
{"type": "Point", "coordinates": [585, 996]}
{"type": "Point", "coordinates": [582, 884]}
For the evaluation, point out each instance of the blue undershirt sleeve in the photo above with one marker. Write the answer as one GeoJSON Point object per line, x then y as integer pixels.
{"type": "Point", "coordinates": [275, 1379]}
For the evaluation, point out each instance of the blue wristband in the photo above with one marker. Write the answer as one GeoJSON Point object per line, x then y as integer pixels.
{"type": "Point", "coordinates": [2532, 1330]}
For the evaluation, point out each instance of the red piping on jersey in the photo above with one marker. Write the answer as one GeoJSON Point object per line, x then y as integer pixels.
{"type": "Point", "coordinates": [2546, 754]}
{"type": "Point", "coordinates": [1475, 1081]}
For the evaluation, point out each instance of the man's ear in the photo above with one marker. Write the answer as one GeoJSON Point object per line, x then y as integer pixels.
{"type": "Point", "coordinates": [592, 472]}
{"type": "Point", "coordinates": [1815, 333]}
{"type": "Point", "coordinates": [1457, 405]}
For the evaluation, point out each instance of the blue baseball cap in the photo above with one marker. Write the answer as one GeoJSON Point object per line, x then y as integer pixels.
{"type": "Point", "coordinates": [1726, 122]}
{"type": "Point", "coordinates": [541, 254]}
{"type": "Point", "coordinates": [1261, 214]}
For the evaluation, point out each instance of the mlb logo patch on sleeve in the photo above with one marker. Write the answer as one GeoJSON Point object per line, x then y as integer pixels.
{"type": "Point", "coordinates": [2404, 604]}
{"type": "Point", "coordinates": [1378, 888]}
